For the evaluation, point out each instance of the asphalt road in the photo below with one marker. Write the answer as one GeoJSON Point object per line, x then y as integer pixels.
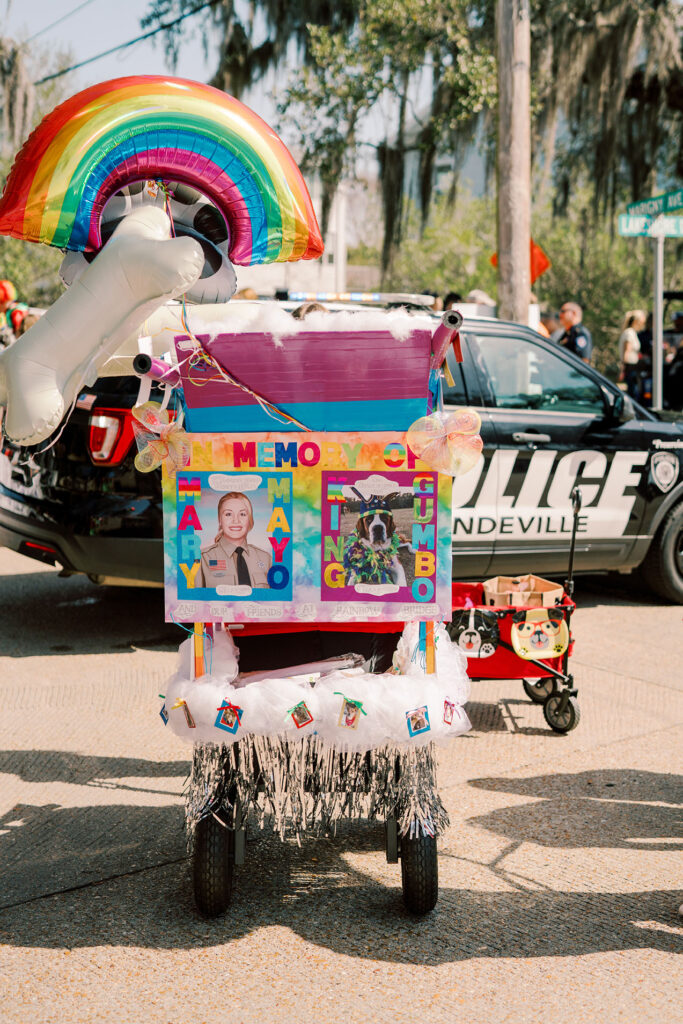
{"type": "Point", "coordinates": [557, 876]}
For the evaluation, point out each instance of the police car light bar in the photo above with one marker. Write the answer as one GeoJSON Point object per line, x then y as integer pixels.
{"type": "Point", "coordinates": [418, 300]}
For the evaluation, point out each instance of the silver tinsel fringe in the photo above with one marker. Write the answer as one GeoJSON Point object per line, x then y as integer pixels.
{"type": "Point", "coordinates": [307, 787]}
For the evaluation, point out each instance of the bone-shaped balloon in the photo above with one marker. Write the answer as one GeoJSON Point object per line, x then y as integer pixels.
{"type": "Point", "coordinates": [139, 269]}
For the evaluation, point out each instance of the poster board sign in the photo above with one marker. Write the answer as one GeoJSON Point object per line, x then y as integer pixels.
{"type": "Point", "coordinates": [306, 527]}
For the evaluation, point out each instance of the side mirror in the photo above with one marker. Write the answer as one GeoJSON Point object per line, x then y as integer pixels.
{"type": "Point", "coordinates": [620, 407]}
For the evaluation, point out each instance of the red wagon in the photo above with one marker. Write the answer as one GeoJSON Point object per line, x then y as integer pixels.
{"type": "Point", "coordinates": [485, 634]}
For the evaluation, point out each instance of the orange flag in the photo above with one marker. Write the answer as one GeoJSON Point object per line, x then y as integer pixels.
{"type": "Point", "coordinates": [538, 261]}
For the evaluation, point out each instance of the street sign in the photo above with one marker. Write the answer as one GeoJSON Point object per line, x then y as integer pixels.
{"type": "Point", "coordinates": [654, 227]}
{"type": "Point", "coordinates": [667, 202]}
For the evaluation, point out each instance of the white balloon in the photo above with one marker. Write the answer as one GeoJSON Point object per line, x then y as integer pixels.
{"type": "Point", "coordinates": [139, 269]}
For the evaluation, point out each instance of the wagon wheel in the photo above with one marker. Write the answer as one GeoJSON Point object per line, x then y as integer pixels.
{"type": "Point", "coordinates": [538, 690]}
{"type": "Point", "coordinates": [558, 720]}
{"type": "Point", "coordinates": [213, 864]}
{"type": "Point", "coordinates": [419, 874]}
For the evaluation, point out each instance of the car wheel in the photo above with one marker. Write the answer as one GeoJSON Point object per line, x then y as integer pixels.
{"type": "Point", "coordinates": [662, 569]}
{"type": "Point", "coordinates": [538, 690]}
{"type": "Point", "coordinates": [561, 721]}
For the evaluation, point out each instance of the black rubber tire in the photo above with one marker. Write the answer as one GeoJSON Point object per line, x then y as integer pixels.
{"type": "Point", "coordinates": [538, 690]}
{"type": "Point", "coordinates": [419, 874]}
{"type": "Point", "coordinates": [662, 569]}
{"type": "Point", "coordinates": [569, 719]}
{"type": "Point", "coordinates": [213, 866]}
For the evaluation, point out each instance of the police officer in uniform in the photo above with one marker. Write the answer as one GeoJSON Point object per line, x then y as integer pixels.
{"type": "Point", "coordinates": [230, 561]}
{"type": "Point", "coordinates": [576, 337]}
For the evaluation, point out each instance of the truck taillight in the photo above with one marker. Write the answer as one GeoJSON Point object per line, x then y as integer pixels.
{"type": "Point", "coordinates": [110, 436]}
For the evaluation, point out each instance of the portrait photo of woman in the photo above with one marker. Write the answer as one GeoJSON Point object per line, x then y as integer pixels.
{"type": "Point", "coordinates": [231, 561]}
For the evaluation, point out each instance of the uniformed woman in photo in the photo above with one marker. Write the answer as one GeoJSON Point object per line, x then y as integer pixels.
{"type": "Point", "coordinates": [230, 561]}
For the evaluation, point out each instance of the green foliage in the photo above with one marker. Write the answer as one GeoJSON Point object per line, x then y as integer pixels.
{"type": "Point", "coordinates": [606, 274]}
{"type": "Point", "coordinates": [33, 269]}
{"type": "Point", "coordinates": [453, 253]}
{"type": "Point", "coordinates": [383, 62]}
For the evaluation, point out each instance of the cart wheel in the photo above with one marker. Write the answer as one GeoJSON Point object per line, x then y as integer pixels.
{"type": "Point", "coordinates": [213, 864]}
{"type": "Point", "coordinates": [561, 721]}
{"type": "Point", "coordinates": [538, 690]}
{"type": "Point", "coordinates": [419, 874]}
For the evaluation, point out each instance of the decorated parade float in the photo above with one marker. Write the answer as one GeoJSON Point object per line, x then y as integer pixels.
{"type": "Point", "coordinates": [307, 468]}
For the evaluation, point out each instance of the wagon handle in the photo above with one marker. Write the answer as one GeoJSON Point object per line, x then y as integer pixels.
{"type": "Point", "coordinates": [576, 507]}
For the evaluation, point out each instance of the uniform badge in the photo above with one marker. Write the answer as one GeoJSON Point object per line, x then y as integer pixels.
{"type": "Point", "coordinates": [664, 470]}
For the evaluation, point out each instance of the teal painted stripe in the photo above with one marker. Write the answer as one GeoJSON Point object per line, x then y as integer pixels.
{"type": "Point", "coordinates": [340, 416]}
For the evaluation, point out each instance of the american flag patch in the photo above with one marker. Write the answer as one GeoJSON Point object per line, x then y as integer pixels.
{"type": "Point", "coordinates": [217, 563]}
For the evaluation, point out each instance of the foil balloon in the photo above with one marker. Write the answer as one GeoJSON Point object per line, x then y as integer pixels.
{"type": "Point", "coordinates": [154, 127]}
{"type": "Point", "coordinates": [448, 442]}
{"type": "Point", "coordinates": [191, 216]}
{"type": "Point", "coordinates": [136, 273]}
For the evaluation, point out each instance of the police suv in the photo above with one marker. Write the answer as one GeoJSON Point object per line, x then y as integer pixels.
{"type": "Point", "coordinates": [549, 423]}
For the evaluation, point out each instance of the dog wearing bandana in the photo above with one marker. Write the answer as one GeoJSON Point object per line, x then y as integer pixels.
{"type": "Point", "coordinates": [371, 552]}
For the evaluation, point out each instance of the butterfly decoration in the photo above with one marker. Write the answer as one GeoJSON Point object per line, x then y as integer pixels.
{"type": "Point", "coordinates": [160, 439]}
{"type": "Point", "coordinates": [447, 441]}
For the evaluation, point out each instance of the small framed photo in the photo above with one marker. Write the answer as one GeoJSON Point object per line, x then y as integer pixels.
{"type": "Point", "coordinates": [191, 724]}
{"type": "Point", "coordinates": [418, 721]}
{"type": "Point", "coordinates": [451, 711]}
{"type": "Point", "coordinates": [301, 715]}
{"type": "Point", "coordinates": [163, 714]}
{"type": "Point", "coordinates": [229, 718]}
{"type": "Point", "coordinates": [349, 715]}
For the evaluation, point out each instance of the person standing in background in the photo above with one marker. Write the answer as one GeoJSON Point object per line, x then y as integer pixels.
{"type": "Point", "coordinates": [451, 300]}
{"type": "Point", "coordinates": [576, 338]}
{"type": "Point", "coordinates": [629, 350]}
{"type": "Point", "coordinates": [11, 313]}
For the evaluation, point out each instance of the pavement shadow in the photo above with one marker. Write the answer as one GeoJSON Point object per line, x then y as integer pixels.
{"type": "Point", "coordinates": [78, 617]}
{"type": "Point", "coordinates": [619, 808]}
{"type": "Point", "coordinates": [84, 769]}
{"type": "Point", "coordinates": [143, 898]}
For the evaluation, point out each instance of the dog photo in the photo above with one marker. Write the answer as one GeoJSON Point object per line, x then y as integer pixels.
{"type": "Point", "coordinates": [301, 715]}
{"type": "Point", "coordinates": [372, 548]}
{"type": "Point", "coordinates": [417, 721]}
{"type": "Point", "coordinates": [229, 718]}
{"type": "Point", "coordinates": [349, 716]}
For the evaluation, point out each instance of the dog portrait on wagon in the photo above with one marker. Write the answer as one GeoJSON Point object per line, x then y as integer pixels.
{"type": "Point", "coordinates": [373, 545]}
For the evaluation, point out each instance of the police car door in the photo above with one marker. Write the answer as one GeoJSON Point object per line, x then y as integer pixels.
{"type": "Point", "coordinates": [472, 548]}
{"type": "Point", "coordinates": [552, 426]}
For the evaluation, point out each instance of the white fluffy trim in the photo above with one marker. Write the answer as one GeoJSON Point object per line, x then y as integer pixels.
{"type": "Point", "coordinates": [410, 709]}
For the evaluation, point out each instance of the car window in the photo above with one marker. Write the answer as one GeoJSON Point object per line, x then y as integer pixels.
{"type": "Point", "coordinates": [456, 394]}
{"type": "Point", "coordinates": [525, 375]}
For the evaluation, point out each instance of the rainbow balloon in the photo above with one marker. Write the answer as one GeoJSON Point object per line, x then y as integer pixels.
{"type": "Point", "coordinates": [153, 127]}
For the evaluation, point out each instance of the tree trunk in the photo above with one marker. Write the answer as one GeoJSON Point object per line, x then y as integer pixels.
{"type": "Point", "coordinates": [513, 159]}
